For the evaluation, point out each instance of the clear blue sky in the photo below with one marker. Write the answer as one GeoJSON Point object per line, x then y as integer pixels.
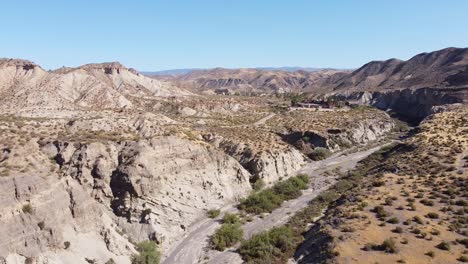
{"type": "Point", "coordinates": [156, 35]}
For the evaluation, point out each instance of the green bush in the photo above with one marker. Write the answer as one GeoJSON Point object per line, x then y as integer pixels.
{"type": "Point", "coordinates": [319, 153]}
{"type": "Point", "coordinates": [268, 245]}
{"type": "Point", "coordinates": [230, 218]}
{"type": "Point", "coordinates": [269, 199]}
{"type": "Point", "coordinates": [291, 188]}
{"type": "Point", "coordinates": [148, 254]}
{"type": "Point", "coordinates": [261, 202]}
{"type": "Point", "coordinates": [227, 236]}
{"type": "Point", "coordinates": [213, 213]}
{"type": "Point", "coordinates": [258, 184]}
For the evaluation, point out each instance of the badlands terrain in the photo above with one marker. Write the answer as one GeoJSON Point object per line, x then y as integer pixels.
{"type": "Point", "coordinates": [103, 164]}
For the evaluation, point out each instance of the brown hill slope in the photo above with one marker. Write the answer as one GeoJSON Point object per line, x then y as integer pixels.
{"type": "Point", "coordinates": [439, 69]}
{"type": "Point", "coordinates": [250, 80]}
{"type": "Point", "coordinates": [442, 68]}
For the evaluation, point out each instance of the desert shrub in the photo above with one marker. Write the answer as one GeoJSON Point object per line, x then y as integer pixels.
{"type": "Point", "coordinates": [261, 202]}
{"type": "Point", "coordinates": [432, 215]}
{"type": "Point", "coordinates": [380, 211]}
{"type": "Point", "coordinates": [443, 246]}
{"type": "Point", "coordinates": [147, 253]}
{"type": "Point", "coordinates": [269, 199]}
{"type": "Point", "coordinates": [226, 236]}
{"type": "Point", "coordinates": [41, 225]}
{"type": "Point", "coordinates": [230, 218]}
{"type": "Point", "coordinates": [213, 213]}
{"type": "Point", "coordinates": [393, 220]}
{"type": "Point", "coordinates": [388, 245]}
{"type": "Point", "coordinates": [463, 241]}
{"type": "Point", "coordinates": [427, 202]}
{"type": "Point", "coordinates": [268, 245]}
{"type": "Point", "coordinates": [463, 259]}
{"type": "Point", "coordinates": [66, 244]}
{"type": "Point", "coordinates": [362, 205]}
{"type": "Point", "coordinates": [418, 220]}
{"type": "Point", "coordinates": [397, 230]}
{"type": "Point", "coordinates": [258, 184]}
{"type": "Point", "coordinates": [378, 183]}
{"type": "Point", "coordinates": [348, 229]}
{"type": "Point", "coordinates": [319, 153]}
{"type": "Point", "coordinates": [388, 201]}
{"type": "Point", "coordinates": [291, 188]}
{"type": "Point", "coordinates": [27, 208]}
{"type": "Point", "coordinates": [430, 254]}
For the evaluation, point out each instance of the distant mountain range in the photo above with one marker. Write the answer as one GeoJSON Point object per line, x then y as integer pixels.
{"type": "Point", "coordinates": [175, 72]}
{"type": "Point", "coordinates": [439, 69]}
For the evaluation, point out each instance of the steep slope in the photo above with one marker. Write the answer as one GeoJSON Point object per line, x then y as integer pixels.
{"type": "Point", "coordinates": [443, 68]}
{"type": "Point", "coordinates": [98, 86]}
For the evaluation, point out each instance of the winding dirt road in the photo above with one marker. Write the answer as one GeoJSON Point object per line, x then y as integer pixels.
{"type": "Point", "coordinates": [193, 247]}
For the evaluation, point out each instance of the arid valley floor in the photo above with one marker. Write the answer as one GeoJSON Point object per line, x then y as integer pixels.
{"type": "Point", "coordinates": [104, 164]}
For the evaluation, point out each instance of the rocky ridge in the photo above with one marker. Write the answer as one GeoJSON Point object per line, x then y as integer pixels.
{"type": "Point", "coordinates": [93, 86]}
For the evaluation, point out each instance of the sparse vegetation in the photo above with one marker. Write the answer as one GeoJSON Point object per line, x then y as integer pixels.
{"type": "Point", "coordinates": [213, 213]}
{"type": "Point", "coordinates": [443, 246]}
{"type": "Point", "coordinates": [269, 246]}
{"type": "Point", "coordinates": [227, 235]}
{"type": "Point", "coordinates": [66, 244]}
{"type": "Point", "coordinates": [319, 153]}
{"type": "Point", "coordinates": [27, 208]}
{"type": "Point", "coordinates": [269, 199]}
{"type": "Point", "coordinates": [147, 253]}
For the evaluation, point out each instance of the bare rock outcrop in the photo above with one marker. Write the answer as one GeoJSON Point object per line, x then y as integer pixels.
{"type": "Point", "coordinates": [270, 166]}
{"type": "Point", "coordinates": [88, 200]}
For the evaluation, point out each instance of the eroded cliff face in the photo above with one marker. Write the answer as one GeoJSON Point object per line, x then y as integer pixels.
{"type": "Point", "coordinates": [336, 139]}
{"type": "Point", "coordinates": [268, 165]}
{"type": "Point", "coordinates": [284, 159]}
{"type": "Point", "coordinates": [413, 104]}
{"type": "Point", "coordinates": [81, 201]}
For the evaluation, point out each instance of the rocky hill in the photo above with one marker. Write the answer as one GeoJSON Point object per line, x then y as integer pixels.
{"type": "Point", "coordinates": [24, 84]}
{"type": "Point", "coordinates": [95, 159]}
{"type": "Point", "coordinates": [439, 69]}
{"type": "Point", "coordinates": [443, 68]}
